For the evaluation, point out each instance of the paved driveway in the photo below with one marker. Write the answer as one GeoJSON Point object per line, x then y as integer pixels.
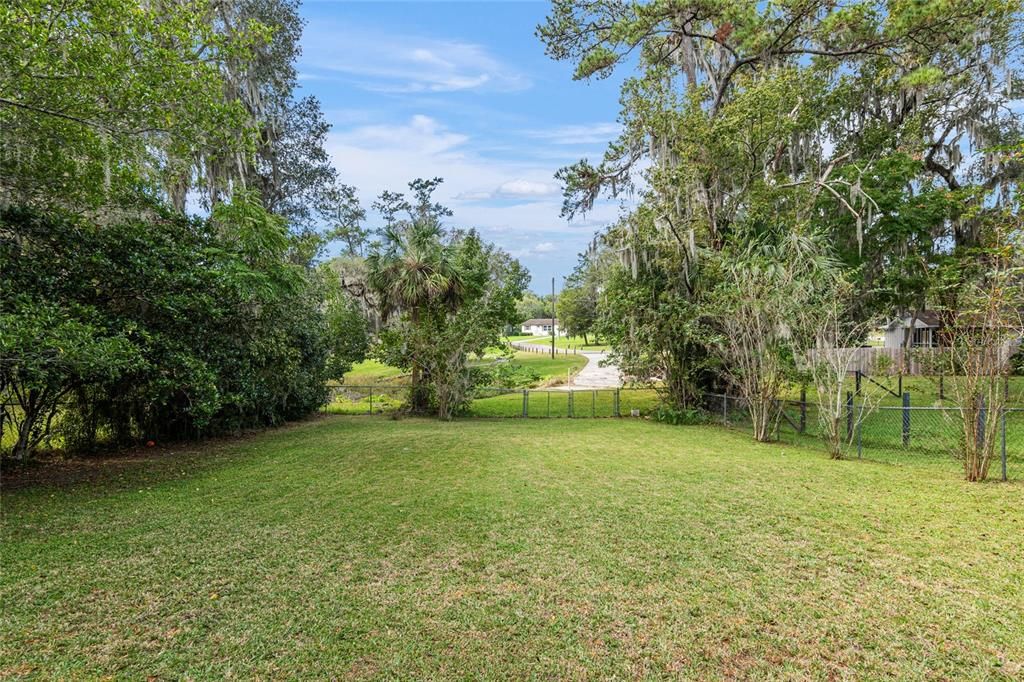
{"type": "Point", "coordinates": [593, 375]}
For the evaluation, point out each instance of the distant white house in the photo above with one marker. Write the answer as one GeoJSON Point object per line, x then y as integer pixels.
{"type": "Point", "coordinates": [541, 327]}
{"type": "Point", "coordinates": [923, 331]}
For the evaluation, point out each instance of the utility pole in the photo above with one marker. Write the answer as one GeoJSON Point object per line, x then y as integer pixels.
{"type": "Point", "coordinates": [552, 317]}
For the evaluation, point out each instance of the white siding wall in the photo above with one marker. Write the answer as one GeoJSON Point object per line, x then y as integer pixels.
{"type": "Point", "coordinates": [894, 338]}
{"type": "Point", "coordinates": [538, 330]}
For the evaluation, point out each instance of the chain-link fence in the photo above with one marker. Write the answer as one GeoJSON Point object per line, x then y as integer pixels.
{"type": "Point", "coordinates": [885, 433]}
{"type": "Point", "coordinates": [540, 403]}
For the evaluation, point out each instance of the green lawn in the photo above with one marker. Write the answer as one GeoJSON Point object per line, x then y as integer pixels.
{"type": "Point", "coordinates": [372, 373]}
{"type": "Point", "coordinates": [576, 342]}
{"type": "Point", "coordinates": [510, 549]}
{"type": "Point", "coordinates": [550, 368]}
{"type": "Point", "coordinates": [579, 404]}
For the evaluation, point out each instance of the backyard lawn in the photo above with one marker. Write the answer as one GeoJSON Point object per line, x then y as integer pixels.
{"type": "Point", "coordinates": [362, 547]}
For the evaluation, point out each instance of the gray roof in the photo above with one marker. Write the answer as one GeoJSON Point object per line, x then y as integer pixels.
{"type": "Point", "coordinates": [925, 319]}
{"type": "Point", "coordinates": [539, 322]}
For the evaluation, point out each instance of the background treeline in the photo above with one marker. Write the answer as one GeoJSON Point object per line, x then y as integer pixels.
{"type": "Point", "coordinates": [802, 171]}
{"type": "Point", "coordinates": [121, 319]}
{"type": "Point", "coordinates": [164, 328]}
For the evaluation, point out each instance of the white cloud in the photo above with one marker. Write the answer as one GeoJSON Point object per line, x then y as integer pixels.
{"type": "Point", "coordinates": [513, 189]}
{"type": "Point", "coordinates": [512, 201]}
{"type": "Point", "coordinates": [383, 62]}
{"type": "Point", "coordinates": [596, 133]}
{"type": "Point", "coordinates": [527, 189]}
{"type": "Point", "coordinates": [422, 134]}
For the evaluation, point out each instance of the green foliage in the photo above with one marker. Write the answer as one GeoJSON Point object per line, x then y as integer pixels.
{"type": "Point", "coordinates": [890, 129]}
{"type": "Point", "coordinates": [532, 307]}
{"type": "Point", "coordinates": [511, 375]}
{"type": "Point", "coordinates": [157, 329]}
{"type": "Point", "coordinates": [668, 414]}
{"type": "Point", "coordinates": [454, 296]}
{"type": "Point", "coordinates": [347, 333]}
{"type": "Point", "coordinates": [99, 96]}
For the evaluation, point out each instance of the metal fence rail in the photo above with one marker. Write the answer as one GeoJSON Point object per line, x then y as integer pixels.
{"type": "Point", "coordinates": [885, 433]}
{"type": "Point", "coordinates": [539, 403]}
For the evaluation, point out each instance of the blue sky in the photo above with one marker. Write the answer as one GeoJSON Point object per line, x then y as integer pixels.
{"type": "Point", "coordinates": [461, 90]}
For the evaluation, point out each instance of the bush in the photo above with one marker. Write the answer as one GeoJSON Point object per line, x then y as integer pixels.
{"type": "Point", "coordinates": [1017, 362]}
{"type": "Point", "coordinates": [512, 375]}
{"type": "Point", "coordinates": [162, 328]}
{"type": "Point", "coordinates": [668, 414]}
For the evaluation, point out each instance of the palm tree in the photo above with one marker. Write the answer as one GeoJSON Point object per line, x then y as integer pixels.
{"type": "Point", "coordinates": [414, 272]}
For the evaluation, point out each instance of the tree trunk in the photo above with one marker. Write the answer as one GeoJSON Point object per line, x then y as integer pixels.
{"type": "Point", "coordinates": [908, 339]}
{"type": "Point", "coordinates": [418, 399]}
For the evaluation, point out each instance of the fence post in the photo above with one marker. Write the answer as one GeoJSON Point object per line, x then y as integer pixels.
{"type": "Point", "coordinates": [1003, 457]}
{"type": "Point", "coordinates": [526, 402]}
{"type": "Point", "coordinates": [593, 403]}
{"type": "Point", "coordinates": [571, 404]}
{"type": "Point", "coordinates": [371, 401]}
{"type": "Point", "coordinates": [615, 406]}
{"type": "Point", "coordinates": [549, 404]}
{"type": "Point", "coordinates": [942, 387]}
{"type": "Point", "coordinates": [906, 417]}
{"type": "Point", "coordinates": [849, 416]}
{"type": "Point", "coordinates": [803, 409]}
{"type": "Point", "coordinates": [725, 409]}
{"type": "Point", "coordinates": [857, 375]}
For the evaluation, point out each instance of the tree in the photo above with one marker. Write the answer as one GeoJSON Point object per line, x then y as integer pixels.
{"type": "Point", "coordinates": [104, 99]}
{"type": "Point", "coordinates": [99, 97]}
{"type": "Point", "coordinates": [577, 311]}
{"type": "Point", "coordinates": [985, 320]}
{"type": "Point", "coordinates": [160, 328]}
{"type": "Point", "coordinates": [653, 313]}
{"type": "Point", "coordinates": [444, 295]}
{"type": "Point", "coordinates": [765, 287]}
{"type": "Point", "coordinates": [532, 307]}
{"type": "Point", "coordinates": [412, 272]}
{"type": "Point", "coordinates": [347, 221]}
{"type": "Point", "coordinates": [868, 121]}
{"type": "Point", "coordinates": [492, 282]}
{"type": "Point", "coordinates": [825, 352]}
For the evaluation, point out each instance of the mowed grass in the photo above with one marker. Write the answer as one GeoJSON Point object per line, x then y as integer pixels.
{"type": "Point", "coordinates": [372, 373]}
{"type": "Point", "coordinates": [580, 403]}
{"type": "Point", "coordinates": [576, 342]}
{"type": "Point", "coordinates": [510, 549]}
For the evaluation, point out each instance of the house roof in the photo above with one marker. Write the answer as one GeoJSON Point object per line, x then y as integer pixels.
{"type": "Point", "coordinates": [925, 319]}
{"type": "Point", "coordinates": [539, 322]}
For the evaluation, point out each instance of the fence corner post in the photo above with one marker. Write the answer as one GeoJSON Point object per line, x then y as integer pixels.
{"type": "Point", "coordinates": [906, 419]}
{"type": "Point", "coordinates": [616, 403]}
{"type": "Point", "coordinates": [526, 402]}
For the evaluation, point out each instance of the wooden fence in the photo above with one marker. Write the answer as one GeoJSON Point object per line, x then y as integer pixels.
{"type": "Point", "coordinates": [872, 360]}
